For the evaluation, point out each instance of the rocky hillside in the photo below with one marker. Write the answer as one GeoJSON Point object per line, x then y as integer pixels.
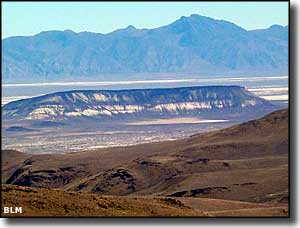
{"type": "Point", "coordinates": [40, 202]}
{"type": "Point", "coordinates": [137, 103]}
{"type": "Point", "coordinates": [246, 162]}
{"type": "Point", "coordinates": [191, 46]}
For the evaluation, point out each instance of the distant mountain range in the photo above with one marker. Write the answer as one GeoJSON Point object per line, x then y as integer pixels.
{"type": "Point", "coordinates": [191, 46]}
{"type": "Point", "coordinates": [140, 103]}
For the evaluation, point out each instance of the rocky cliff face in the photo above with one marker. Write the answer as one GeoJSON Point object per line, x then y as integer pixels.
{"type": "Point", "coordinates": [134, 103]}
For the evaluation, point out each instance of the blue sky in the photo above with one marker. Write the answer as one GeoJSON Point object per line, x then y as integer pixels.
{"type": "Point", "coordinates": [29, 18]}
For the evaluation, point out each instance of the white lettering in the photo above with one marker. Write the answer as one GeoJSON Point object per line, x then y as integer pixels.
{"type": "Point", "coordinates": [12, 210]}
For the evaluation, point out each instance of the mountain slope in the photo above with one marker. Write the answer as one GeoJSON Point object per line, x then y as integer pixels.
{"type": "Point", "coordinates": [80, 205]}
{"type": "Point", "coordinates": [246, 162]}
{"type": "Point", "coordinates": [137, 103]}
{"type": "Point", "coordinates": [91, 205]}
{"type": "Point", "coordinates": [194, 46]}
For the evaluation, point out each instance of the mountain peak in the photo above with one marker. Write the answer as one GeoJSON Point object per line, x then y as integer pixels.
{"type": "Point", "coordinates": [131, 27]}
{"type": "Point", "coordinates": [277, 27]}
{"type": "Point", "coordinates": [197, 16]}
{"type": "Point", "coordinates": [69, 31]}
{"type": "Point", "coordinates": [194, 17]}
{"type": "Point", "coordinates": [205, 27]}
{"type": "Point", "coordinates": [129, 50]}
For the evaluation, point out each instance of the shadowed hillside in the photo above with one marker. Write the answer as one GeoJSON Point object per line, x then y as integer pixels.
{"type": "Point", "coordinates": [247, 162]}
{"type": "Point", "coordinates": [53, 202]}
{"type": "Point", "coordinates": [44, 202]}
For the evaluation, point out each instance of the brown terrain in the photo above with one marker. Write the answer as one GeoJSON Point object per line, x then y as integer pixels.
{"type": "Point", "coordinates": [237, 171]}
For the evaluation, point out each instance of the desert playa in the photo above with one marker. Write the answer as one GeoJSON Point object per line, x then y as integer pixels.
{"type": "Point", "coordinates": [175, 121]}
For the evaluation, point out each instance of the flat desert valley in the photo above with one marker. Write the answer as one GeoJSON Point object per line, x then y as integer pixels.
{"type": "Point", "coordinates": [237, 171]}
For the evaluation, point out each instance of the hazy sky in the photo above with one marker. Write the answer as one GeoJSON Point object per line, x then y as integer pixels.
{"type": "Point", "coordinates": [29, 18]}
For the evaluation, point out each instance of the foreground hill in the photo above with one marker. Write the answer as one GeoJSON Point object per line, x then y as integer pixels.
{"type": "Point", "coordinates": [246, 162]}
{"type": "Point", "coordinates": [141, 103]}
{"type": "Point", "coordinates": [53, 202]}
{"type": "Point", "coordinates": [182, 48]}
{"type": "Point", "coordinates": [40, 202]}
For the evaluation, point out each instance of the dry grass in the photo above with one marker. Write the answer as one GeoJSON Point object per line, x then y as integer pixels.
{"type": "Point", "coordinates": [55, 203]}
{"type": "Point", "coordinates": [246, 162]}
{"type": "Point", "coordinates": [37, 202]}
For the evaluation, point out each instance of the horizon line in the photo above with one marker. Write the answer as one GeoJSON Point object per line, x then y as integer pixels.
{"type": "Point", "coordinates": [134, 27]}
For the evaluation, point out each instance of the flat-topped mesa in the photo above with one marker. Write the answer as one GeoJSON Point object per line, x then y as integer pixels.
{"type": "Point", "coordinates": [135, 102]}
